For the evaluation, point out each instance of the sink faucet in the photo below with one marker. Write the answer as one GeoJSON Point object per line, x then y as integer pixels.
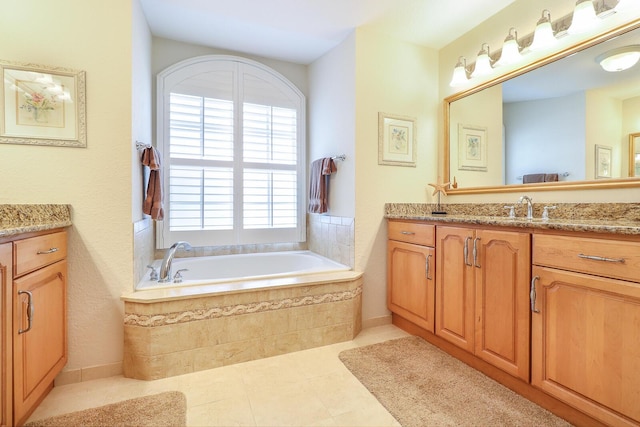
{"type": "Point", "coordinates": [529, 205]}
{"type": "Point", "coordinates": [165, 266]}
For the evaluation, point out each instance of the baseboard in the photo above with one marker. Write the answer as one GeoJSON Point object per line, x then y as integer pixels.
{"type": "Point", "coordinates": [376, 321]}
{"type": "Point", "coordinates": [87, 374]}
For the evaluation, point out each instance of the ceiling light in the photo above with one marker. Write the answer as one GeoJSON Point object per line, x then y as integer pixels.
{"type": "Point", "coordinates": [619, 59]}
{"type": "Point", "coordinates": [584, 17]}
{"type": "Point", "coordinates": [543, 36]}
{"type": "Point", "coordinates": [460, 74]}
{"type": "Point", "coordinates": [510, 50]}
{"type": "Point", "coordinates": [483, 62]}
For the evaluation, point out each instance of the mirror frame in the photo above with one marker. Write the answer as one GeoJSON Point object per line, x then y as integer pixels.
{"type": "Point", "coordinates": [633, 139]}
{"type": "Point", "coordinates": [547, 186]}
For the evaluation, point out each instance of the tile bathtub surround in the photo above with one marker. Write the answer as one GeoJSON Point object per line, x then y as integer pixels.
{"type": "Point", "coordinates": [16, 219]}
{"type": "Point", "coordinates": [181, 336]}
{"type": "Point", "coordinates": [332, 237]}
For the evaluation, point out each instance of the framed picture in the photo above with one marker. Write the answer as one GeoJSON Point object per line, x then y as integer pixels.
{"type": "Point", "coordinates": [396, 140]}
{"type": "Point", "coordinates": [42, 105]}
{"type": "Point", "coordinates": [472, 148]}
{"type": "Point", "coordinates": [603, 161]}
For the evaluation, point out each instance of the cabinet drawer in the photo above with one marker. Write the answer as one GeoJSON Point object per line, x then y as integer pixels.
{"type": "Point", "coordinates": [412, 232]}
{"type": "Point", "coordinates": [602, 257]}
{"type": "Point", "coordinates": [36, 252]}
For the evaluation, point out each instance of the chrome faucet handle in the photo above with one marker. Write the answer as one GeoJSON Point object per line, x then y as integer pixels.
{"type": "Point", "coordinates": [512, 212]}
{"type": "Point", "coordinates": [153, 275]}
{"type": "Point", "coordinates": [545, 212]}
{"type": "Point", "coordinates": [177, 278]}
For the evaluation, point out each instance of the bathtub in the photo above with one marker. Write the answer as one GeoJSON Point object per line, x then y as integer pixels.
{"type": "Point", "coordinates": [235, 308]}
{"type": "Point", "coordinates": [243, 267]}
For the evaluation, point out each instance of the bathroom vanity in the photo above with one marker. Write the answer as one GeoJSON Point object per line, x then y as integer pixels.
{"type": "Point", "coordinates": [551, 309]}
{"type": "Point", "coordinates": [33, 275]}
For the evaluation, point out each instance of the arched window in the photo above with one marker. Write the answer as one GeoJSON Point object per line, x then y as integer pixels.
{"type": "Point", "coordinates": [232, 137]}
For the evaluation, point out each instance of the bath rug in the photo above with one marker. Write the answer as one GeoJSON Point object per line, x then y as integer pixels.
{"type": "Point", "coordinates": [164, 409]}
{"type": "Point", "coordinates": [420, 385]}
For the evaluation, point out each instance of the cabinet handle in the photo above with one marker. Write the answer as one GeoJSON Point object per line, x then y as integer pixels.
{"type": "Point", "coordinates": [601, 258]}
{"type": "Point", "coordinates": [428, 268]}
{"type": "Point", "coordinates": [50, 251]}
{"type": "Point", "coordinates": [29, 311]}
{"type": "Point", "coordinates": [532, 295]}
{"type": "Point", "coordinates": [407, 233]}
{"type": "Point", "coordinates": [475, 252]}
{"type": "Point", "coordinates": [465, 252]}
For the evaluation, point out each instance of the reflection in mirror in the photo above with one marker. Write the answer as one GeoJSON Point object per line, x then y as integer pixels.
{"type": "Point", "coordinates": [544, 125]}
{"type": "Point", "coordinates": [634, 154]}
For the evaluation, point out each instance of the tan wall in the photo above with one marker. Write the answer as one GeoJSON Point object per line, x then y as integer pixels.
{"type": "Point", "coordinates": [396, 78]}
{"type": "Point", "coordinates": [96, 181]}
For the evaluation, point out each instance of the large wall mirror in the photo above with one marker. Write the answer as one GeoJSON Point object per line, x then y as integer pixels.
{"type": "Point", "coordinates": [560, 123]}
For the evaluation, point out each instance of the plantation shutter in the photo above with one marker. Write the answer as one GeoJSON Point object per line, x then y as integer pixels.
{"type": "Point", "coordinates": [235, 148]}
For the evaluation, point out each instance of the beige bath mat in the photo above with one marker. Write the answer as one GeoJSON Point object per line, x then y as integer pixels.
{"type": "Point", "coordinates": [420, 385]}
{"type": "Point", "coordinates": [165, 409]}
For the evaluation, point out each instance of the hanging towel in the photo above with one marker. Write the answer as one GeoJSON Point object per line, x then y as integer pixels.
{"type": "Point", "coordinates": [551, 177]}
{"type": "Point", "coordinates": [319, 184]}
{"type": "Point", "coordinates": [152, 204]}
{"type": "Point", "coordinates": [533, 177]}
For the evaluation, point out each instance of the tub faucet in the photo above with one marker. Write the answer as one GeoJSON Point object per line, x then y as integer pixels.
{"type": "Point", "coordinates": [165, 266]}
{"type": "Point", "coordinates": [529, 205]}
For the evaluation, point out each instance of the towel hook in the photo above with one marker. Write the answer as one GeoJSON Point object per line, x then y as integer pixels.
{"type": "Point", "coordinates": [341, 157]}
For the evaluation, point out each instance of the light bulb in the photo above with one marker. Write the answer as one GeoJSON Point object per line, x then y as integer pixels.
{"type": "Point", "coordinates": [483, 62]}
{"type": "Point", "coordinates": [543, 36]}
{"type": "Point", "coordinates": [510, 50]}
{"type": "Point", "coordinates": [459, 73]}
{"type": "Point", "coordinates": [584, 17]}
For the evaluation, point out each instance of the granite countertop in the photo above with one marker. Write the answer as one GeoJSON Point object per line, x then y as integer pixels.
{"type": "Point", "coordinates": [614, 218]}
{"type": "Point", "coordinates": [18, 219]}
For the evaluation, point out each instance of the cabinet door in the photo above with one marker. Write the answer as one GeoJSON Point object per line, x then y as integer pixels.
{"type": "Point", "coordinates": [40, 343]}
{"type": "Point", "coordinates": [502, 270]}
{"type": "Point", "coordinates": [5, 334]}
{"type": "Point", "coordinates": [454, 286]}
{"type": "Point", "coordinates": [410, 282]}
{"type": "Point", "coordinates": [586, 343]}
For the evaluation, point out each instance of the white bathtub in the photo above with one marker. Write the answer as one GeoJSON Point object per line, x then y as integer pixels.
{"type": "Point", "coordinates": [243, 267]}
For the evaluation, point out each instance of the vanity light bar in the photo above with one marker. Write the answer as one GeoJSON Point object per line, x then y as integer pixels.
{"type": "Point", "coordinates": [544, 36]}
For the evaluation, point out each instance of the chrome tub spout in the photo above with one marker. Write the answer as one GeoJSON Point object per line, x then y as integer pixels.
{"type": "Point", "coordinates": [165, 266]}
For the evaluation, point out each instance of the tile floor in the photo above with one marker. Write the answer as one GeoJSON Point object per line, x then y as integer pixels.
{"type": "Point", "coordinates": [305, 388]}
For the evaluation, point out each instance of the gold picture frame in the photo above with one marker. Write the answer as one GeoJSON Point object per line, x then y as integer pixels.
{"type": "Point", "coordinates": [603, 161]}
{"type": "Point", "coordinates": [42, 105]}
{"type": "Point", "coordinates": [396, 140]}
{"type": "Point", "coordinates": [472, 148]}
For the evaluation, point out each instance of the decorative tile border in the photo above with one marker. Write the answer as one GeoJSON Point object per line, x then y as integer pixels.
{"type": "Point", "coordinates": [147, 321]}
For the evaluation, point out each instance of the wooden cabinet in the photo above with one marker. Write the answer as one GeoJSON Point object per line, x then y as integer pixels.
{"type": "Point", "coordinates": [586, 325]}
{"type": "Point", "coordinates": [411, 272]}
{"type": "Point", "coordinates": [482, 294]}
{"type": "Point", "coordinates": [33, 274]}
{"type": "Point", "coordinates": [6, 365]}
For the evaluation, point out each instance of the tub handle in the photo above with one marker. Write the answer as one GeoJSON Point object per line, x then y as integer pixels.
{"type": "Point", "coordinates": [153, 275]}
{"type": "Point", "coordinates": [177, 278]}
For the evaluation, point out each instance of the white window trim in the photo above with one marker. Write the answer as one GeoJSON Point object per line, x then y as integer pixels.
{"type": "Point", "coordinates": [168, 78]}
